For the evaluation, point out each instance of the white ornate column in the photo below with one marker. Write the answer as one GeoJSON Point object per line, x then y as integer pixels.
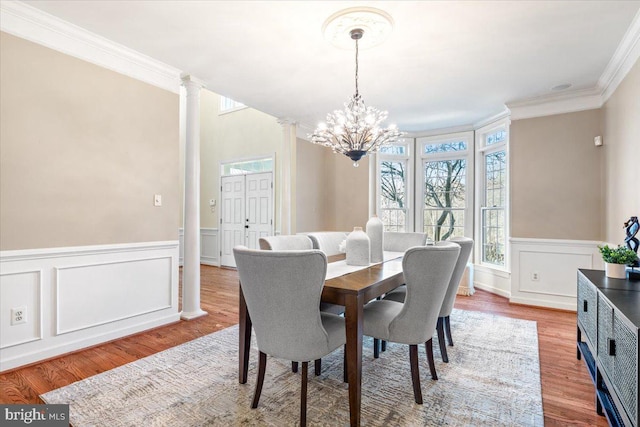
{"type": "Point", "coordinates": [288, 177]}
{"type": "Point", "coordinates": [191, 265]}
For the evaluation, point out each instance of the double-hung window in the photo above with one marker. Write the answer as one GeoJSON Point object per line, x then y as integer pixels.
{"type": "Point", "coordinates": [393, 182]}
{"type": "Point", "coordinates": [492, 222]}
{"type": "Point", "coordinates": [445, 186]}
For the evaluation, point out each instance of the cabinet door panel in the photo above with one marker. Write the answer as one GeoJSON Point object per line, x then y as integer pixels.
{"type": "Point", "coordinates": [605, 334]}
{"type": "Point", "coordinates": [625, 367]}
{"type": "Point", "coordinates": [587, 310]}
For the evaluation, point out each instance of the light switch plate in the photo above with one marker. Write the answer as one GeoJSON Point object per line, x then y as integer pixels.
{"type": "Point", "coordinates": [157, 200]}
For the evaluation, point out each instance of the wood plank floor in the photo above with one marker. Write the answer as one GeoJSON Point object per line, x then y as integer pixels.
{"type": "Point", "coordinates": [567, 391]}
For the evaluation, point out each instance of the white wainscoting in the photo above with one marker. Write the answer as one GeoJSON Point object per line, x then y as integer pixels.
{"type": "Point", "coordinates": [77, 297]}
{"type": "Point", "coordinates": [209, 249]}
{"type": "Point", "coordinates": [544, 271]}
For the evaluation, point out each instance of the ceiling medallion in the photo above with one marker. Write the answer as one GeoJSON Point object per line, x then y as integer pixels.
{"type": "Point", "coordinates": [376, 23]}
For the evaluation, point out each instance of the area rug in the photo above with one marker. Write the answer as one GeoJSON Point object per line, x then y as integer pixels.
{"type": "Point", "coordinates": [492, 379]}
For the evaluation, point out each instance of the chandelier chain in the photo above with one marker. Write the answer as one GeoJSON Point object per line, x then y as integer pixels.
{"type": "Point", "coordinates": [356, 67]}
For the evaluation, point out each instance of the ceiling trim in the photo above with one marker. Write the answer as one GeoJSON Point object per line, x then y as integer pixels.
{"type": "Point", "coordinates": [622, 61]}
{"type": "Point", "coordinates": [624, 58]}
{"type": "Point", "coordinates": [569, 102]}
{"type": "Point", "coordinates": [32, 24]}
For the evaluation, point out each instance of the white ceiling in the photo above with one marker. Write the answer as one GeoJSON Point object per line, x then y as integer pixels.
{"type": "Point", "coordinates": [446, 63]}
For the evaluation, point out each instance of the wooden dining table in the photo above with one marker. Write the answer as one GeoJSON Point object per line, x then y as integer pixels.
{"type": "Point", "coordinates": [353, 291]}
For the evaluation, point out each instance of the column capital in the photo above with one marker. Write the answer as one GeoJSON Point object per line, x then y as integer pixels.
{"type": "Point", "coordinates": [286, 121]}
{"type": "Point", "coordinates": [189, 81]}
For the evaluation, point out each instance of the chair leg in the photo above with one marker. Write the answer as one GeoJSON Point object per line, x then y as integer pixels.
{"type": "Point", "coordinates": [318, 366]}
{"type": "Point", "coordinates": [345, 377]}
{"type": "Point", "coordinates": [376, 348]}
{"type": "Point", "coordinates": [415, 373]}
{"type": "Point", "coordinates": [443, 346]}
{"type": "Point", "coordinates": [294, 367]}
{"type": "Point", "coordinates": [428, 346]}
{"type": "Point", "coordinates": [383, 346]}
{"type": "Point", "coordinates": [262, 365]}
{"type": "Point", "coordinates": [303, 395]}
{"type": "Point", "coordinates": [447, 330]}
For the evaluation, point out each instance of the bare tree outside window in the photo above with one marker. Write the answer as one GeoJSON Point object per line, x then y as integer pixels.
{"type": "Point", "coordinates": [393, 195]}
{"type": "Point", "coordinates": [493, 214]}
{"type": "Point", "coordinates": [444, 198]}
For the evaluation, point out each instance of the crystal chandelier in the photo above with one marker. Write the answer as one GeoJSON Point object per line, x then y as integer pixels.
{"type": "Point", "coordinates": [355, 131]}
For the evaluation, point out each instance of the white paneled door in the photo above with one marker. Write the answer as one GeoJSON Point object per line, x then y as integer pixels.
{"type": "Point", "coordinates": [246, 214]}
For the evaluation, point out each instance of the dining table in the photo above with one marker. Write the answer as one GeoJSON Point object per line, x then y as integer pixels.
{"type": "Point", "coordinates": [351, 289]}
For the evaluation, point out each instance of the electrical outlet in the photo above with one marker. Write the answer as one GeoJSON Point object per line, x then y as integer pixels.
{"type": "Point", "coordinates": [157, 200]}
{"type": "Point", "coordinates": [18, 315]}
{"type": "Point", "coordinates": [535, 276]}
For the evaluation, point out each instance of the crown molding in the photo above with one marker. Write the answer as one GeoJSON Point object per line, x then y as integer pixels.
{"type": "Point", "coordinates": [504, 114]}
{"type": "Point", "coordinates": [303, 130]}
{"type": "Point", "coordinates": [548, 105]}
{"type": "Point", "coordinates": [30, 23]}
{"type": "Point", "coordinates": [624, 58]}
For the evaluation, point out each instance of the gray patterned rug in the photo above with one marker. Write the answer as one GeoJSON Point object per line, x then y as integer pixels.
{"type": "Point", "coordinates": [492, 379]}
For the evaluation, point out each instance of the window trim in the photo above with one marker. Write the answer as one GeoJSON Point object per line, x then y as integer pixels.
{"type": "Point", "coordinates": [482, 150]}
{"type": "Point", "coordinates": [377, 159]}
{"type": "Point", "coordinates": [467, 155]}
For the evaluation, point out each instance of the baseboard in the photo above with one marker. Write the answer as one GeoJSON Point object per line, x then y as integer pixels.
{"type": "Point", "coordinates": [76, 297]}
{"type": "Point", "coordinates": [492, 289]}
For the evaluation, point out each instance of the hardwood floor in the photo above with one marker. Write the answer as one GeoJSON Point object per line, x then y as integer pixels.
{"type": "Point", "coordinates": [567, 391]}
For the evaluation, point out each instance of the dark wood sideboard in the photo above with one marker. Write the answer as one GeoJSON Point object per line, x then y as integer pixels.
{"type": "Point", "coordinates": [608, 321]}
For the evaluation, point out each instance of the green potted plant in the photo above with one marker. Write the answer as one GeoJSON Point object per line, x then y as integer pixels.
{"type": "Point", "coordinates": [616, 260]}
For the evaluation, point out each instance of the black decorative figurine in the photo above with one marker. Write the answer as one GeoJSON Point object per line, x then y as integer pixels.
{"type": "Point", "coordinates": [632, 226]}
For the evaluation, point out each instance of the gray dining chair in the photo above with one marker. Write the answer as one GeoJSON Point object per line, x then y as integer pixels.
{"type": "Point", "coordinates": [427, 271]}
{"type": "Point", "coordinates": [327, 241]}
{"type": "Point", "coordinates": [443, 325]}
{"type": "Point", "coordinates": [298, 332]}
{"type": "Point", "coordinates": [396, 241]}
{"type": "Point", "coordinates": [296, 242]}
{"type": "Point", "coordinates": [291, 243]}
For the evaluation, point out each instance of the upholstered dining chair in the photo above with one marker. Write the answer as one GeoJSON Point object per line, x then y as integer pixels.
{"type": "Point", "coordinates": [292, 243]}
{"type": "Point", "coordinates": [296, 242]}
{"type": "Point", "coordinates": [301, 332]}
{"type": "Point", "coordinates": [327, 241]}
{"type": "Point", "coordinates": [427, 271]}
{"type": "Point", "coordinates": [443, 325]}
{"type": "Point", "coordinates": [396, 241]}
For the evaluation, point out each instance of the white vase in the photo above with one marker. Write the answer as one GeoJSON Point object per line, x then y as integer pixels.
{"type": "Point", "coordinates": [375, 232]}
{"type": "Point", "coordinates": [358, 247]}
{"type": "Point", "coordinates": [615, 271]}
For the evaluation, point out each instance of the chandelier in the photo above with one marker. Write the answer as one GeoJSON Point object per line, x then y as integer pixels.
{"type": "Point", "coordinates": [355, 131]}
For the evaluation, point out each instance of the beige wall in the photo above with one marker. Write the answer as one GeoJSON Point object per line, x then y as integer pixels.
{"type": "Point", "coordinates": [332, 195]}
{"type": "Point", "coordinates": [621, 150]}
{"type": "Point", "coordinates": [236, 135]}
{"type": "Point", "coordinates": [351, 193]}
{"type": "Point", "coordinates": [83, 150]}
{"type": "Point", "coordinates": [556, 177]}
{"type": "Point", "coordinates": [314, 187]}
